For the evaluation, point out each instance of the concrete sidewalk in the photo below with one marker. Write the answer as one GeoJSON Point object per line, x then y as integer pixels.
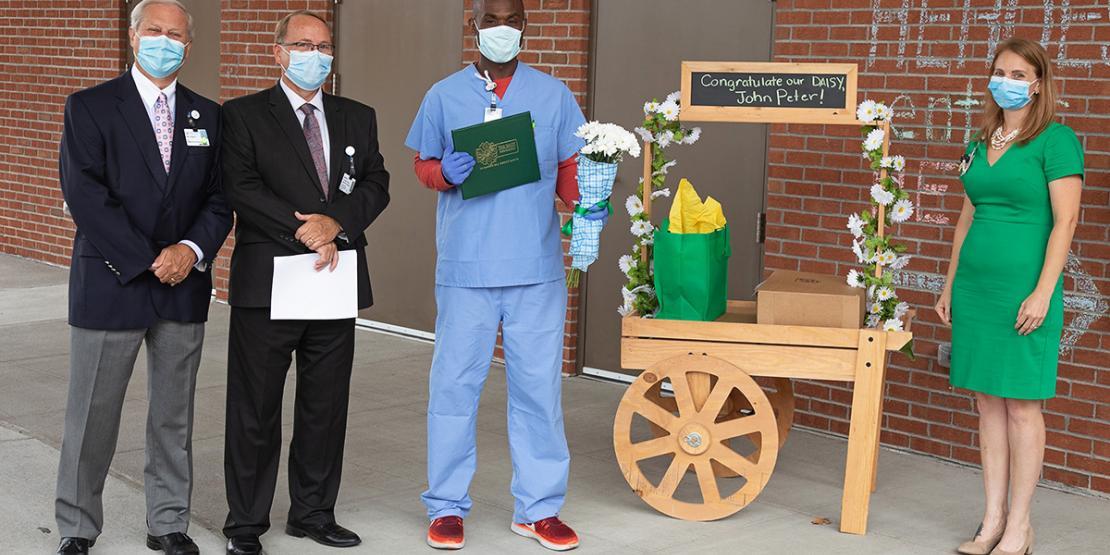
{"type": "Point", "coordinates": [922, 505]}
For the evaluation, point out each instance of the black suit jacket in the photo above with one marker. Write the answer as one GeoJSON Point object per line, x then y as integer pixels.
{"type": "Point", "coordinates": [269, 175]}
{"type": "Point", "coordinates": [127, 209]}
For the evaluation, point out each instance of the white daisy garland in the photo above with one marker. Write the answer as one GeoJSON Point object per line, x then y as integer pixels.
{"type": "Point", "coordinates": [872, 250]}
{"type": "Point", "coordinates": [661, 129]}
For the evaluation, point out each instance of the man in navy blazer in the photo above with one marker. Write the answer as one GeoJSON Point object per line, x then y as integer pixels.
{"type": "Point", "coordinates": [140, 174]}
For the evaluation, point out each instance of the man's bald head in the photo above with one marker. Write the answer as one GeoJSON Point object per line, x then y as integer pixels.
{"type": "Point", "coordinates": [500, 10]}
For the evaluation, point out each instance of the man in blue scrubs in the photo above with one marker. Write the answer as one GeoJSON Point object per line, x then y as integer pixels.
{"type": "Point", "coordinates": [499, 263]}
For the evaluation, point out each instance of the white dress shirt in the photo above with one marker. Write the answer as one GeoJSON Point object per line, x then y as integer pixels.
{"type": "Point", "coordinates": [296, 102]}
{"type": "Point", "coordinates": [149, 93]}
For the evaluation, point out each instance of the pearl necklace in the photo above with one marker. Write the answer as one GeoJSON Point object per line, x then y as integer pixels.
{"type": "Point", "coordinates": [999, 141]}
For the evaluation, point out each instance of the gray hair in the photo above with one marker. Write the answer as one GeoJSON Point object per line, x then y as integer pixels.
{"type": "Point", "coordinates": [137, 13]}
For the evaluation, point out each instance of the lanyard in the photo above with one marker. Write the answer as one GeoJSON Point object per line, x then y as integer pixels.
{"type": "Point", "coordinates": [490, 87]}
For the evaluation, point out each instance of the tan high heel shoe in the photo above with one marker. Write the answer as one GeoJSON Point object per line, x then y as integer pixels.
{"type": "Point", "coordinates": [1026, 549]}
{"type": "Point", "coordinates": [980, 545]}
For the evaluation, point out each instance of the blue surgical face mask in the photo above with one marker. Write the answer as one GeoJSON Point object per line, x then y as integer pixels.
{"type": "Point", "coordinates": [308, 70]}
{"type": "Point", "coordinates": [1010, 94]}
{"type": "Point", "coordinates": [160, 56]}
{"type": "Point", "coordinates": [499, 44]}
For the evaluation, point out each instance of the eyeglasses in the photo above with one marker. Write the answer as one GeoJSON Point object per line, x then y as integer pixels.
{"type": "Point", "coordinates": [305, 46]}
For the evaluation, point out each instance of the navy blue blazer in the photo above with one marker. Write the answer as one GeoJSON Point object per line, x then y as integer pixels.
{"type": "Point", "coordinates": [127, 209]}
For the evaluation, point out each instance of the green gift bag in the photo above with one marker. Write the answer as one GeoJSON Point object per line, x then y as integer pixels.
{"type": "Point", "coordinates": [691, 273]}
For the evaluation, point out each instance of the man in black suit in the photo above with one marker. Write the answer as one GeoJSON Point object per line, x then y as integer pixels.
{"type": "Point", "coordinates": [303, 172]}
{"type": "Point", "coordinates": [140, 173]}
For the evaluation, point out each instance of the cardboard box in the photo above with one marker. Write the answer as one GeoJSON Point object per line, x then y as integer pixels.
{"type": "Point", "coordinates": [804, 299]}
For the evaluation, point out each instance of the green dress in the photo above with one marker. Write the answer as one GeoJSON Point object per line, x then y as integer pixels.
{"type": "Point", "coordinates": [1000, 264]}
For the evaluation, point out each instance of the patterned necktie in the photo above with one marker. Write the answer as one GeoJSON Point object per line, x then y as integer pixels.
{"type": "Point", "coordinates": [163, 129]}
{"type": "Point", "coordinates": [315, 144]}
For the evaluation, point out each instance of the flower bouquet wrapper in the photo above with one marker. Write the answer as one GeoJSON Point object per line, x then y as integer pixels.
{"type": "Point", "coordinates": [691, 254]}
{"type": "Point", "coordinates": [595, 185]}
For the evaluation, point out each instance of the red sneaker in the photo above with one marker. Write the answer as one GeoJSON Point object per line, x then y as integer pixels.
{"type": "Point", "coordinates": [446, 532]}
{"type": "Point", "coordinates": [552, 533]}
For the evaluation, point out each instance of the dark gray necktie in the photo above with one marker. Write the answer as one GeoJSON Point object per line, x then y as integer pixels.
{"type": "Point", "coordinates": [315, 145]}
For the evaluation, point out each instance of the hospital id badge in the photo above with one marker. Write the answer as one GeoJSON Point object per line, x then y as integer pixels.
{"type": "Point", "coordinates": [196, 137]}
{"type": "Point", "coordinates": [347, 184]}
{"type": "Point", "coordinates": [492, 114]}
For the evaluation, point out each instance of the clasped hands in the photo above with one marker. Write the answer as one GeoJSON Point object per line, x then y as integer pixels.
{"type": "Point", "coordinates": [174, 264]}
{"type": "Point", "coordinates": [318, 232]}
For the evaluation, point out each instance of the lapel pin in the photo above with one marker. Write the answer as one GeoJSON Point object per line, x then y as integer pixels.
{"type": "Point", "coordinates": [350, 151]}
{"type": "Point", "coordinates": [194, 114]}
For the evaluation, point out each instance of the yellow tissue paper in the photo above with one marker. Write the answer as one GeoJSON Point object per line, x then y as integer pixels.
{"type": "Point", "coordinates": [690, 215]}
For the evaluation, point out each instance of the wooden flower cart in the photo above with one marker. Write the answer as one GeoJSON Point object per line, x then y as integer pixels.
{"type": "Point", "coordinates": [706, 412]}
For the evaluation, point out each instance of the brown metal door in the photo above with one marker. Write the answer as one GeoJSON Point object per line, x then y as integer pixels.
{"type": "Point", "coordinates": [639, 48]}
{"type": "Point", "coordinates": [389, 53]}
{"type": "Point", "coordinates": [201, 72]}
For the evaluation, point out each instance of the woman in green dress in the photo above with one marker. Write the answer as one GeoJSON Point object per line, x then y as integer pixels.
{"type": "Point", "coordinates": [1022, 176]}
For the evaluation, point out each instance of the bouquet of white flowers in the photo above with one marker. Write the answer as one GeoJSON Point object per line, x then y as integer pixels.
{"type": "Point", "coordinates": [606, 145]}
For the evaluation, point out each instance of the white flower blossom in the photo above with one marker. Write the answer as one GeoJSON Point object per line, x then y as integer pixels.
{"type": "Point", "coordinates": [874, 140]}
{"type": "Point", "coordinates": [626, 263]}
{"type": "Point", "coordinates": [873, 320]}
{"type": "Point", "coordinates": [641, 228]}
{"type": "Point", "coordinates": [855, 279]}
{"type": "Point", "coordinates": [881, 195]}
{"type": "Point", "coordinates": [634, 205]}
{"type": "Point", "coordinates": [901, 211]}
{"type": "Point", "coordinates": [665, 168]}
{"type": "Point", "coordinates": [892, 324]}
{"type": "Point", "coordinates": [648, 240]}
{"type": "Point", "coordinates": [651, 107]}
{"type": "Point", "coordinates": [669, 110]}
{"type": "Point", "coordinates": [901, 309]}
{"type": "Point", "coordinates": [884, 293]}
{"type": "Point", "coordinates": [898, 163]}
{"type": "Point", "coordinates": [855, 225]}
{"type": "Point", "coordinates": [876, 307]}
{"type": "Point", "coordinates": [887, 257]}
{"type": "Point", "coordinates": [675, 97]}
{"type": "Point", "coordinates": [886, 162]}
{"type": "Point", "coordinates": [665, 139]}
{"type": "Point", "coordinates": [866, 111]}
{"type": "Point", "coordinates": [645, 135]}
{"type": "Point", "coordinates": [861, 255]}
{"type": "Point", "coordinates": [692, 136]}
{"type": "Point", "coordinates": [628, 297]}
{"type": "Point", "coordinates": [900, 262]}
{"type": "Point", "coordinates": [883, 113]}
{"type": "Point", "coordinates": [664, 192]}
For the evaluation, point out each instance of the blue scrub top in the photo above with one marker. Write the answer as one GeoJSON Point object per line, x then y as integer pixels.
{"type": "Point", "coordinates": [510, 237]}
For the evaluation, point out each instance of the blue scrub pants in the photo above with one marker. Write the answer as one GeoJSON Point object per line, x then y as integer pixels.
{"type": "Point", "coordinates": [532, 319]}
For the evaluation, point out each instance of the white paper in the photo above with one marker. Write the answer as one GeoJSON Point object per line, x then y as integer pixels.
{"type": "Point", "coordinates": [302, 293]}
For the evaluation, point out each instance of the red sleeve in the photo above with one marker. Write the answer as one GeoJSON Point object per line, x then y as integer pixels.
{"type": "Point", "coordinates": [430, 174]}
{"type": "Point", "coordinates": [566, 183]}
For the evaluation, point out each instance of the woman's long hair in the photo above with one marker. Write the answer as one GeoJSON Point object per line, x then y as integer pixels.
{"type": "Point", "coordinates": [1042, 108]}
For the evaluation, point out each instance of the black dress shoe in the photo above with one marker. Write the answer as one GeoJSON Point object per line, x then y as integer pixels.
{"type": "Point", "coordinates": [173, 544]}
{"type": "Point", "coordinates": [329, 534]}
{"type": "Point", "coordinates": [244, 545]}
{"type": "Point", "coordinates": [73, 546]}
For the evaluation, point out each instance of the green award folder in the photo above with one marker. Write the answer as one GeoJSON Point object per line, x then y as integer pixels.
{"type": "Point", "coordinates": [504, 151]}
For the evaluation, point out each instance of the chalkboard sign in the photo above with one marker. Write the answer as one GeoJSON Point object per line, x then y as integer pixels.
{"type": "Point", "coordinates": [768, 92]}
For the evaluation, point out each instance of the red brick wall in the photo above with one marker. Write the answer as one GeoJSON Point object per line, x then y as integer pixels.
{"type": "Point", "coordinates": [38, 69]}
{"type": "Point", "coordinates": [247, 66]}
{"type": "Point", "coordinates": [557, 41]}
{"type": "Point", "coordinates": [929, 60]}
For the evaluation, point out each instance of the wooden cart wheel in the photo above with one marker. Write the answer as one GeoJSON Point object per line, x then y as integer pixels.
{"type": "Point", "coordinates": [782, 401]}
{"type": "Point", "coordinates": [697, 429]}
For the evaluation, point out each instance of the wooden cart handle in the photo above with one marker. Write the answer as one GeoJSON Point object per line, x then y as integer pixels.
{"type": "Point", "coordinates": [647, 190]}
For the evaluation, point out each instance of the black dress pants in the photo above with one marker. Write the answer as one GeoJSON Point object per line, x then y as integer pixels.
{"type": "Point", "coordinates": [260, 351]}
